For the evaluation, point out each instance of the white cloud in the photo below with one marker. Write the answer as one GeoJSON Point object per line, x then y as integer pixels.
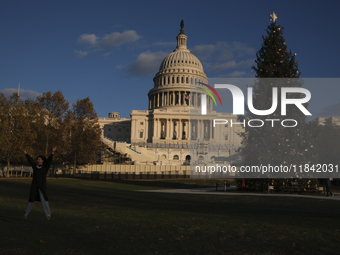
{"type": "Point", "coordinates": [216, 59]}
{"type": "Point", "coordinates": [235, 74]}
{"type": "Point", "coordinates": [146, 65]}
{"type": "Point", "coordinates": [231, 65]}
{"type": "Point", "coordinates": [80, 54]}
{"type": "Point", "coordinates": [203, 52]}
{"type": "Point", "coordinates": [222, 51]}
{"type": "Point", "coordinates": [223, 56]}
{"type": "Point", "coordinates": [87, 39]}
{"type": "Point", "coordinates": [108, 41]}
{"type": "Point", "coordinates": [105, 55]}
{"type": "Point", "coordinates": [116, 39]}
{"type": "Point", "coordinates": [23, 93]}
{"type": "Point", "coordinates": [241, 49]}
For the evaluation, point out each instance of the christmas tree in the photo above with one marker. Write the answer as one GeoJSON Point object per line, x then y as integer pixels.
{"type": "Point", "coordinates": [279, 139]}
{"type": "Point", "coordinates": [273, 60]}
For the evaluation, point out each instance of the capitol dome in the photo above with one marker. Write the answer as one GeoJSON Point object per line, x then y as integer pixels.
{"type": "Point", "coordinates": [181, 59]}
{"type": "Point", "coordinates": [180, 66]}
{"type": "Point", "coordinates": [178, 72]}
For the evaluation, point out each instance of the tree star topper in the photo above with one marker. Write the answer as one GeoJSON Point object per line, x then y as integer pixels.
{"type": "Point", "coordinates": [273, 17]}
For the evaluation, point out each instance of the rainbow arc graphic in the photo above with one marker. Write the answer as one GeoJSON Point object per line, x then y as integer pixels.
{"type": "Point", "coordinates": [209, 93]}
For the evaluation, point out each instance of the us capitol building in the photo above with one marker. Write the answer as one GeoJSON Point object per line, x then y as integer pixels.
{"type": "Point", "coordinates": [172, 131]}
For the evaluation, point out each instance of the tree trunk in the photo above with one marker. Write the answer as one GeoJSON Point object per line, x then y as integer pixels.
{"type": "Point", "coordinates": [8, 165]}
{"type": "Point", "coordinates": [74, 164]}
{"type": "Point", "coordinates": [46, 147]}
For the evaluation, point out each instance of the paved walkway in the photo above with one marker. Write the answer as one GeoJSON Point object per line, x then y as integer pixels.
{"type": "Point", "coordinates": [210, 191]}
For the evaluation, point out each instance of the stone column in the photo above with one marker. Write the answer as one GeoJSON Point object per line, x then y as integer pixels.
{"type": "Point", "coordinates": [155, 128]}
{"type": "Point", "coordinates": [189, 130]}
{"type": "Point", "coordinates": [133, 129]}
{"type": "Point", "coordinates": [180, 129]}
{"type": "Point", "coordinates": [163, 99]}
{"type": "Point", "coordinates": [202, 129]}
{"type": "Point", "coordinates": [171, 129]}
{"type": "Point", "coordinates": [166, 131]}
{"type": "Point", "coordinates": [146, 130]}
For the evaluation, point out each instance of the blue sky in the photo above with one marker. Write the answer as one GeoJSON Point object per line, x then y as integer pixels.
{"type": "Point", "coordinates": [111, 50]}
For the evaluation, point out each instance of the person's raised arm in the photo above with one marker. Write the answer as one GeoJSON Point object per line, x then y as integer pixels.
{"type": "Point", "coordinates": [49, 160]}
{"type": "Point", "coordinates": [29, 158]}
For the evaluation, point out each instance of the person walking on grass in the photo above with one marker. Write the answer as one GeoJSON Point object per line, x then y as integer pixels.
{"type": "Point", "coordinates": [38, 185]}
{"type": "Point", "coordinates": [325, 183]}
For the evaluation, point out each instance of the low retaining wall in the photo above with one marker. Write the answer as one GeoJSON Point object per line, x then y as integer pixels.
{"type": "Point", "coordinates": [107, 171]}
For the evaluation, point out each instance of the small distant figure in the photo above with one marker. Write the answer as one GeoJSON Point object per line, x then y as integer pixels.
{"type": "Point", "coordinates": [325, 183]}
{"type": "Point", "coordinates": [243, 184]}
{"type": "Point", "coordinates": [38, 185]}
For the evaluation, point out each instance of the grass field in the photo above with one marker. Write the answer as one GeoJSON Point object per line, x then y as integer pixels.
{"type": "Point", "coordinates": [99, 217]}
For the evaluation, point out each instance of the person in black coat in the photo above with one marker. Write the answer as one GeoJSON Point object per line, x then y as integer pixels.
{"type": "Point", "coordinates": [325, 183]}
{"type": "Point", "coordinates": [38, 185]}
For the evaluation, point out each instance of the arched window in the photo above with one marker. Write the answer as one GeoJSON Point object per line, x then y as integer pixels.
{"type": "Point", "coordinates": [176, 157]}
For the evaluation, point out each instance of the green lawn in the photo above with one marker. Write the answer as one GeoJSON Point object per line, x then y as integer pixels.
{"type": "Point", "coordinates": [99, 217]}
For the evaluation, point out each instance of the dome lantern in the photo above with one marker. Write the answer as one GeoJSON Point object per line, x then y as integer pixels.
{"type": "Point", "coordinates": [181, 39]}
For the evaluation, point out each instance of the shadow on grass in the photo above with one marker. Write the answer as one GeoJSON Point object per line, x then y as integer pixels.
{"type": "Point", "coordinates": [95, 217]}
